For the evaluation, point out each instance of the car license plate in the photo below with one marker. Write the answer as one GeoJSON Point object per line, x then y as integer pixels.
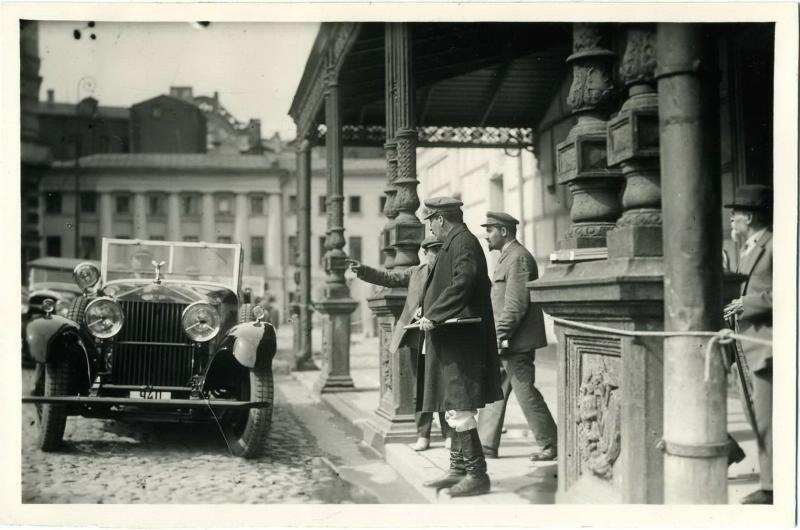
{"type": "Point", "coordinates": [149, 394]}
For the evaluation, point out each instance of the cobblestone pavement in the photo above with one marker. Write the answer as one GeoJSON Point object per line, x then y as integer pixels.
{"type": "Point", "coordinates": [109, 461]}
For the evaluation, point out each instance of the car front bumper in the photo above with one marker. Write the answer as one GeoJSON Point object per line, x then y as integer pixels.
{"type": "Point", "coordinates": [146, 403]}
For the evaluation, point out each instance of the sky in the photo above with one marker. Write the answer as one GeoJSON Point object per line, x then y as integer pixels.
{"type": "Point", "coordinates": [255, 67]}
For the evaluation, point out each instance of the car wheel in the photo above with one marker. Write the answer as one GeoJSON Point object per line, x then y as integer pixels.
{"type": "Point", "coordinates": [53, 418]}
{"type": "Point", "coordinates": [245, 313]}
{"type": "Point", "coordinates": [249, 430]}
{"type": "Point", "coordinates": [78, 309]}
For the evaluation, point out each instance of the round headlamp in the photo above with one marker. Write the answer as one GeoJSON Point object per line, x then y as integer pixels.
{"type": "Point", "coordinates": [258, 312]}
{"type": "Point", "coordinates": [201, 321]}
{"type": "Point", "coordinates": [103, 317]}
{"type": "Point", "coordinates": [86, 275]}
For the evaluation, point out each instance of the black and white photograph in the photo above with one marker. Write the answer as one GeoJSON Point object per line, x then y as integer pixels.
{"type": "Point", "coordinates": [494, 259]}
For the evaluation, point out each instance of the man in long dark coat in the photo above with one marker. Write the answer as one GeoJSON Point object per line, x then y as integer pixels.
{"type": "Point", "coordinates": [751, 219]}
{"type": "Point", "coordinates": [462, 370]}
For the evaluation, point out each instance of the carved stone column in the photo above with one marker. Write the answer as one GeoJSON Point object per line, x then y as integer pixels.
{"type": "Point", "coordinates": [633, 147]}
{"type": "Point", "coordinates": [304, 359]}
{"type": "Point", "coordinates": [337, 304]}
{"type": "Point", "coordinates": [582, 159]}
{"type": "Point", "coordinates": [174, 216]}
{"type": "Point", "coordinates": [394, 418]}
{"type": "Point", "coordinates": [105, 209]}
{"type": "Point", "coordinates": [207, 218]}
{"type": "Point", "coordinates": [610, 406]}
{"type": "Point", "coordinates": [139, 215]}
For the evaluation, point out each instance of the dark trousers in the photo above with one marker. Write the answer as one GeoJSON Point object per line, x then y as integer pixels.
{"type": "Point", "coordinates": [424, 420]}
{"type": "Point", "coordinates": [762, 405]}
{"type": "Point", "coordinates": [519, 374]}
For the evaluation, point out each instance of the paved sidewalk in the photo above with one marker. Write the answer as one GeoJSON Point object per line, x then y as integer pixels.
{"type": "Point", "coordinates": [515, 480]}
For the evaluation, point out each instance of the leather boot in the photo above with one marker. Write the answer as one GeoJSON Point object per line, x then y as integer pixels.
{"type": "Point", "coordinates": [456, 471]}
{"type": "Point", "coordinates": [477, 481]}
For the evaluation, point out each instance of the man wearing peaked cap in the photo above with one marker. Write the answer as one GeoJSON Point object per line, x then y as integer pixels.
{"type": "Point", "coordinates": [414, 279]}
{"type": "Point", "coordinates": [520, 330]}
{"type": "Point", "coordinates": [751, 221]}
{"type": "Point", "coordinates": [462, 371]}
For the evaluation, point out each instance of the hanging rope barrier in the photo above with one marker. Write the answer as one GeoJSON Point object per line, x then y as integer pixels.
{"type": "Point", "coordinates": [716, 338]}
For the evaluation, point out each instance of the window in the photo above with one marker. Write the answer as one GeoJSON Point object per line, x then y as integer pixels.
{"type": "Point", "coordinates": [155, 238]}
{"type": "Point", "coordinates": [257, 250]}
{"type": "Point", "coordinates": [224, 239]}
{"type": "Point", "coordinates": [123, 204]}
{"type": "Point", "coordinates": [294, 259]}
{"type": "Point", "coordinates": [354, 247]}
{"type": "Point", "coordinates": [257, 205]}
{"type": "Point", "coordinates": [323, 205]}
{"type": "Point", "coordinates": [292, 203]}
{"type": "Point", "coordinates": [382, 203]}
{"type": "Point", "coordinates": [321, 249]}
{"type": "Point", "coordinates": [190, 205]}
{"type": "Point", "coordinates": [191, 239]}
{"type": "Point", "coordinates": [122, 237]}
{"type": "Point", "coordinates": [52, 202]}
{"type": "Point", "coordinates": [88, 202]}
{"type": "Point", "coordinates": [53, 244]}
{"type": "Point", "coordinates": [155, 205]}
{"type": "Point", "coordinates": [224, 205]}
{"type": "Point", "coordinates": [88, 244]}
{"type": "Point", "coordinates": [354, 202]}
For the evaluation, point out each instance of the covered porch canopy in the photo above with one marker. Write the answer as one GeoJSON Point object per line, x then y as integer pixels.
{"type": "Point", "coordinates": [637, 90]}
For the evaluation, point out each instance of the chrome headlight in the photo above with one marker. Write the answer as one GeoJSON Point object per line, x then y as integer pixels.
{"type": "Point", "coordinates": [201, 321]}
{"type": "Point", "coordinates": [86, 275]}
{"type": "Point", "coordinates": [62, 308]}
{"type": "Point", "coordinates": [103, 317]}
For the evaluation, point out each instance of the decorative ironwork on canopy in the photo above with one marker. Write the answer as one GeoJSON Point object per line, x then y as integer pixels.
{"type": "Point", "coordinates": [433, 136]}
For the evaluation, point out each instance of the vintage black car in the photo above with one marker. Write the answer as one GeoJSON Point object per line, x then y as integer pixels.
{"type": "Point", "coordinates": [158, 333]}
{"type": "Point", "coordinates": [48, 278]}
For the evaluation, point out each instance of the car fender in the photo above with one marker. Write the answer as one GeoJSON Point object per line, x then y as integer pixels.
{"type": "Point", "coordinates": [251, 343]}
{"type": "Point", "coordinates": [49, 339]}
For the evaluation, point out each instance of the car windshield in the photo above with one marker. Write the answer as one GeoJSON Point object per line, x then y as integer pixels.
{"type": "Point", "coordinates": [129, 259]}
{"type": "Point", "coordinates": [50, 275]}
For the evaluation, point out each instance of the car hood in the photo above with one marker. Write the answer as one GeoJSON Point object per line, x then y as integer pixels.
{"type": "Point", "coordinates": [62, 290]}
{"type": "Point", "coordinates": [177, 292]}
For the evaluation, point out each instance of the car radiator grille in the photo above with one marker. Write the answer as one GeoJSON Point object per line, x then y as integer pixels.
{"type": "Point", "coordinates": [137, 361]}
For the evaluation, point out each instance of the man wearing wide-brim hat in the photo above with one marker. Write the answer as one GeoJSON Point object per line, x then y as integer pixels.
{"type": "Point", "coordinates": [520, 331]}
{"type": "Point", "coordinates": [413, 278]}
{"type": "Point", "coordinates": [751, 220]}
{"type": "Point", "coordinates": [462, 371]}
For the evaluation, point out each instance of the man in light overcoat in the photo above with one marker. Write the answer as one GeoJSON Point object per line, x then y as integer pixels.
{"type": "Point", "coordinates": [414, 279]}
{"type": "Point", "coordinates": [520, 330]}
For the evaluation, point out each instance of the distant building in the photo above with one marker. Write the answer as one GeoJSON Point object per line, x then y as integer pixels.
{"type": "Point", "coordinates": [83, 129]}
{"type": "Point", "coordinates": [166, 124]}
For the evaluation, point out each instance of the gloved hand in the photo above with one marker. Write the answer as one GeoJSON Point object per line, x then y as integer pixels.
{"type": "Point", "coordinates": [356, 266]}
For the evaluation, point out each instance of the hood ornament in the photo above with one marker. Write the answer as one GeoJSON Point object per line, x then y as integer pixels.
{"type": "Point", "coordinates": [158, 265]}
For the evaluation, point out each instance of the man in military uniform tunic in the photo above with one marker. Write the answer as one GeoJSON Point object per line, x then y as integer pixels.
{"type": "Point", "coordinates": [520, 330]}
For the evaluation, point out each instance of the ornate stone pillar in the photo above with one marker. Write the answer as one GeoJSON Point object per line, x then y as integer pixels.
{"type": "Point", "coordinates": [394, 418]}
{"type": "Point", "coordinates": [139, 215]}
{"type": "Point", "coordinates": [105, 210]}
{"type": "Point", "coordinates": [304, 360]}
{"type": "Point", "coordinates": [174, 216]}
{"type": "Point", "coordinates": [633, 147]}
{"type": "Point", "coordinates": [610, 406]}
{"type": "Point", "coordinates": [337, 305]}
{"type": "Point", "coordinates": [207, 212]}
{"type": "Point", "coordinates": [582, 159]}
